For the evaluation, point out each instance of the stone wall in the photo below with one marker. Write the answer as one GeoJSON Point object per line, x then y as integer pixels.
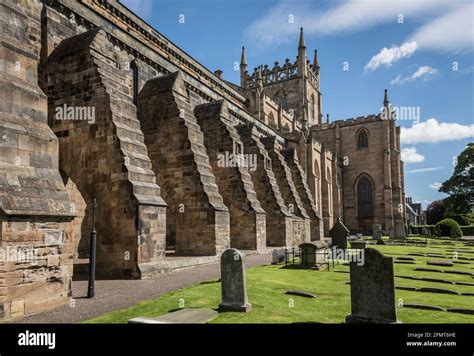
{"type": "Point", "coordinates": [307, 200]}
{"type": "Point", "coordinates": [375, 162]}
{"type": "Point", "coordinates": [247, 218]}
{"type": "Point", "coordinates": [104, 153]}
{"type": "Point", "coordinates": [36, 238]}
{"type": "Point", "coordinates": [301, 220]}
{"type": "Point", "coordinates": [198, 219]}
{"type": "Point", "coordinates": [279, 219]}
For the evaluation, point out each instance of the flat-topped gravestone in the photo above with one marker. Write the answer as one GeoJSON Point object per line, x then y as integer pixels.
{"type": "Point", "coordinates": [310, 257]}
{"type": "Point", "coordinates": [233, 283]}
{"type": "Point", "coordinates": [447, 263]}
{"type": "Point", "coordinates": [461, 310]}
{"type": "Point", "coordinates": [372, 289]}
{"type": "Point", "coordinates": [300, 293]}
{"type": "Point", "coordinates": [183, 316]}
{"type": "Point", "coordinates": [339, 234]}
{"type": "Point", "coordinates": [406, 258]}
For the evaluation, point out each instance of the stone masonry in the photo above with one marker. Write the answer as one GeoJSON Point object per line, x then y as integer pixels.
{"type": "Point", "coordinates": [247, 218]}
{"type": "Point", "coordinates": [95, 103]}
{"type": "Point", "coordinates": [301, 220]}
{"type": "Point", "coordinates": [279, 219]}
{"type": "Point", "coordinates": [301, 185]}
{"type": "Point", "coordinates": [197, 219]}
{"type": "Point", "coordinates": [106, 155]}
{"type": "Point", "coordinates": [36, 235]}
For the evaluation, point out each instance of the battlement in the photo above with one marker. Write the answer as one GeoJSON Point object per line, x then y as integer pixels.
{"type": "Point", "coordinates": [351, 121]}
{"type": "Point", "coordinates": [263, 75]}
{"type": "Point", "coordinates": [267, 76]}
{"type": "Point", "coordinates": [277, 74]}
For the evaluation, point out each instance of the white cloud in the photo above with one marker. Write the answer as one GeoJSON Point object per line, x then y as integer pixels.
{"type": "Point", "coordinates": [424, 203]}
{"type": "Point", "coordinates": [432, 131]}
{"type": "Point", "coordinates": [424, 170]}
{"type": "Point", "coordinates": [450, 32]}
{"type": "Point", "coordinates": [276, 27]}
{"type": "Point", "coordinates": [388, 56]}
{"type": "Point", "coordinates": [435, 186]}
{"type": "Point", "coordinates": [423, 72]}
{"type": "Point", "coordinates": [409, 155]}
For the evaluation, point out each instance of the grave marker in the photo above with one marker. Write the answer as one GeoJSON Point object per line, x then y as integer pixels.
{"type": "Point", "coordinates": [233, 283]}
{"type": "Point", "coordinates": [373, 289]}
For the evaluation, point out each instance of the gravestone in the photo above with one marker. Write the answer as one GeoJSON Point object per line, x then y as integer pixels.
{"type": "Point", "coordinates": [313, 254]}
{"type": "Point", "coordinates": [339, 234]}
{"type": "Point", "coordinates": [399, 232]}
{"type": "Point", "coordinates": [278, 256]}
{"type": "Point", "coordinates": [377, 234]}
{"type": "Point", "coordinates": [233, 283]}
{"type": "Point", "coordinates": [372, 289]}
{"type": "Point", "coordinates": [308, 254]}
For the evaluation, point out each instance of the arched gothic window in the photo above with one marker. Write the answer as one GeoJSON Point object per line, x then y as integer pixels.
{"type": "Point", "coordinates": [365, 204]}
{"type": "Point", "coordinates": [362, 139]}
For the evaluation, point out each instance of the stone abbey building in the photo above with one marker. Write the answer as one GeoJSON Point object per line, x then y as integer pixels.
{"type": "Point", "coordinates": [96, 104]}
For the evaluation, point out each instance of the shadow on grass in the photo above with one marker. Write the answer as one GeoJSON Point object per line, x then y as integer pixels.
{"type": "Point", "coordinates": [210, 282]}
{"type": "Point", "coordinates": [178, 309]}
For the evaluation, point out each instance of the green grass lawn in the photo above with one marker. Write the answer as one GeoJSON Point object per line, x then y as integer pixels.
{"type": "Point", "coordinates": [267, 285]}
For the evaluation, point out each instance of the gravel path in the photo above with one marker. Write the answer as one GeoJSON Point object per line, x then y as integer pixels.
{"type": "Point", "coordinates": [118, 294]}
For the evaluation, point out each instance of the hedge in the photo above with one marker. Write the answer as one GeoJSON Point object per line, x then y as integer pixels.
{"type": "Point", "coordinates": [467, 230]}
{"type": "Point", "coordinates": [449, 227]}
{"type": "Point", "coordinates": [418, 229]}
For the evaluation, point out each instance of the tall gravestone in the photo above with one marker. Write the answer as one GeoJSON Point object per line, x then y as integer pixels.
{"type": "Point", "coordinates": [399, 232]}
{"type": "Point", "coordinates": [377, 234]}
{"type": "Point", "coordinates": [339, 234]}
{"type": "Point", "coordinates": [233, 282]}
{"type": "Point", "coordinates": [372, 289]}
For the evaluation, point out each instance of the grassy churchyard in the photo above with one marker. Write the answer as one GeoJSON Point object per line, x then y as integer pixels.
{"type": "Point", "coordinates": [267, 286]}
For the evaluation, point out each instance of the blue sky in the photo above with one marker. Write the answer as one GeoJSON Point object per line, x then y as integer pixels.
{"type": "Point", "coordinates": [420, 50]}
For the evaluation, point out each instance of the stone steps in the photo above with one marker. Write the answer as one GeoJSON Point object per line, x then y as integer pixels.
{"type": "Point", "coordinates": [301, 185]}
{"type": "Point", "coordinates": [272, 180]}
{"type": "Point", "coordinates": [285, 175]}
{"type": "Point", "coordinates": [247, 217]}
{"type": "Point", "coordinates": [145, 188]}
{"type": "Point", "coordinates": [133, 145]}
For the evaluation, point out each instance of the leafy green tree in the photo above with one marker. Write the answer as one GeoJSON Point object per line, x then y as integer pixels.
{"type": "Point", "coordinates": [435, 212]}
{"type": "Point", "coordinates": [460, 185]}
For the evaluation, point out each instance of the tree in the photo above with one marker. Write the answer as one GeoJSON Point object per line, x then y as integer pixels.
{"type": "Point", "coordinates": [459, 186]}
{"type": "Point", "coordinates": [435, 212]}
